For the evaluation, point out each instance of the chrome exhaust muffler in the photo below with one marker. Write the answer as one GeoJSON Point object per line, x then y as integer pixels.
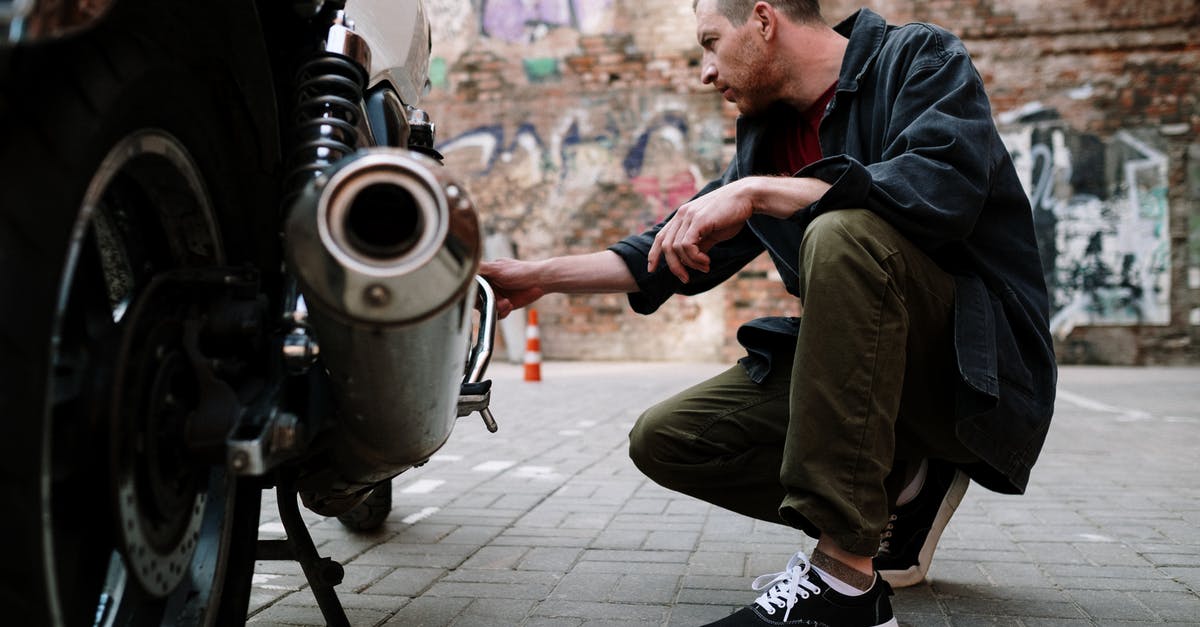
{"type": "Point", "coordinates": [385, 247]}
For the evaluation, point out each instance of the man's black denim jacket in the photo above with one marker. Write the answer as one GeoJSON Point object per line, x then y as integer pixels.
{"type": "Point", "coordinates": [909, 135]}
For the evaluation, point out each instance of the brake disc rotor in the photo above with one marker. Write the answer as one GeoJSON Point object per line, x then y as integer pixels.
{"type": "Point", "coordinates": [160, 498]}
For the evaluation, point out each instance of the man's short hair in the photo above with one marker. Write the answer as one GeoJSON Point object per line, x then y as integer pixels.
{"type": "Point", "coordinates": [802, 11]}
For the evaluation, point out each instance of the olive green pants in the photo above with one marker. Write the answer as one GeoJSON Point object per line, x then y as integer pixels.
{"type": "Point", "coordinates": [871, 385]}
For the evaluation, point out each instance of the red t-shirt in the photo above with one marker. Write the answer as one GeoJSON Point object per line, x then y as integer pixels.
{"type": "Point", "coordinates": [801, 143]}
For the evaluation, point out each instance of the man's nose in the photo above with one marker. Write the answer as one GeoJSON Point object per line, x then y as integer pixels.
{"type": "Point", "coordinates": [708, 73]}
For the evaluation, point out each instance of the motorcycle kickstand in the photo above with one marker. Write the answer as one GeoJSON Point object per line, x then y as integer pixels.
{"type": "Point", "coordinates": [322, 573]}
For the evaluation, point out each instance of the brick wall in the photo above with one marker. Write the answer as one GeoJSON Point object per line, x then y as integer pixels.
{"type": "Point", "coordinates": [579, 122]}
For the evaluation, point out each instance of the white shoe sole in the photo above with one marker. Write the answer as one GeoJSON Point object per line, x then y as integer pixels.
{"type": "Point", "coordinates": [915, 574]}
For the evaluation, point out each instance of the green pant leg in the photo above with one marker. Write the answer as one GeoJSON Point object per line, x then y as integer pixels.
{"type": "Point", "coordinates": [874, 346]}
{"type": "Point", "coordinates": [720, 441]}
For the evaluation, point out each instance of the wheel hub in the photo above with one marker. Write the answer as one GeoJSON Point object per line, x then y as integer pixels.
{"type": "Point", "coordinates": [160, 498]}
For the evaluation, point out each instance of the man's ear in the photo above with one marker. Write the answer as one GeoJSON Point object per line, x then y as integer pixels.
{"type": "Point", "coordinates": [764, 16]}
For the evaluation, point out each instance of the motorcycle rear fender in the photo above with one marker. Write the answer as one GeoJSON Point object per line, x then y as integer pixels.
{"type": "Point", "coordinates": [398, 34]}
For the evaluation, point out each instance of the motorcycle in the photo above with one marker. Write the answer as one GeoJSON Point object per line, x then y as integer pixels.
{"type": "Point", "coordinates": [230, 261]}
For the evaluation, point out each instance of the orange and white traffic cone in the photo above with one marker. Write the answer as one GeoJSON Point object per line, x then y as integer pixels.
{"type": "Point", "coordinates": [533, 348]}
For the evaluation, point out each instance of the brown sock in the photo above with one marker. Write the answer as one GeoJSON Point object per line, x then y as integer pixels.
{"type": "Point", "coordinates": [846, 574]}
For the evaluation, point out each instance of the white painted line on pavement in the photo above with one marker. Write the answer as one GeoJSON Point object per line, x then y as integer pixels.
{"type": "Point", "coordinates": [1086, 403]}
{"type": "Point", "coordinates": [445, 458]}
{"type": "Point", "coordinates": [587, 423]}
{"type": "Point", "coordinates": [540, 472]}
{"type": "Point", "coordinates": [1126, 414]}
{"type": "Point", "coordinates": [570, 432]}
{"type": "Point", "coordinates": [494, 466]}
{"type": "Point", "coordinates": [421, 515]}
{"type": "Point", "coordinates": [260, 580]}
{"type": "Point", "coordinates": [272, 527]}
{"type": "Point", "coordinates": [423, 486]}
{"type": "Point", "coordinates": [1095, 537]}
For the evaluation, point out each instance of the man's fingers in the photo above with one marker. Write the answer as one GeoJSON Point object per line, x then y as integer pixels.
{"type": "Point", "coordinates": [677, 267]}
{"type": "Point", "coordinates": [693, 258]}
{"type": "Point", "coordinates": [503, 308]}
{"type": "Point", "coordinates": [690, 248]}
{"type": "Point", "coordinates": [655, 251]}
{"type": "Point", "coordinates": [661, 247]}
{"type": "Point", "coordinates": [667, 240]}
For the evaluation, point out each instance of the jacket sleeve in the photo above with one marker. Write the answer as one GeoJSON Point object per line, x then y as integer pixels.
{"type": "Point", "coordinates": [654, 288]}
{"type": "Point", "coordinates": [938, 147]}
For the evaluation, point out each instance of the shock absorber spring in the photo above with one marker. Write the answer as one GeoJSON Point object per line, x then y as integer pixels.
{"type": "Point", "coordinates": [329, 90]}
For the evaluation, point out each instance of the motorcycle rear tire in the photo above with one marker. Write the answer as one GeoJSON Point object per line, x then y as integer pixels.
{"type": "Point", "coordinates": [66, 108]}
{"type": "Point", "coordinates": [372, 512]}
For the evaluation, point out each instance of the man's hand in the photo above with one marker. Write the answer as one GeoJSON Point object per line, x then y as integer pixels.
{"type": "Point", "coordinates": [515, 283]}
{"type": "Point", "coordinates": [698, 225]}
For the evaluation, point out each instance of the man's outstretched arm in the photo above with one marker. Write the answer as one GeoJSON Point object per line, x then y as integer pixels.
{"type": "Point", "coordinates": [519, 283]}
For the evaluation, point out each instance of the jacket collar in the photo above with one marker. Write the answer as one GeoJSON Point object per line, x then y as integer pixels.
{"type": "Point", "coordinates": [752, 132]}
{"type": "Point", "coordinates": [865, 30]}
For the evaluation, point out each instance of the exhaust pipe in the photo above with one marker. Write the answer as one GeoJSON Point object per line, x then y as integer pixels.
{"type": "Point", "coordinates": [385, 248]}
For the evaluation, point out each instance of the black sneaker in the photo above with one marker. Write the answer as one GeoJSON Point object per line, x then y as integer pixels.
{"type": "Point", "coordinates": [914, 528]}
{"type": "Point", "coordinates": [798, 596]}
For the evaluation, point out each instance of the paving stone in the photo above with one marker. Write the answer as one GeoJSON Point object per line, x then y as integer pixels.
{"type": "Point", "coordinates": [642, 568]}
{"type": "Point", "coordinates": [311, 615]}
{"type": "Point", "coordinates": [714, 563]}
{"type": "Point", "coordinates": [359, 577]}
{"type": "Point", "coordinates": [408, 582]}
{"type": "Point", "coordinates": [559, 621]}
{"type": "Point", "coordinates": [666, 540]}
{"type": "Point", "coordinates": [658, 589]}
{"type": "Point", "coordinates": [731, 598]}
{"type": "Point", "coordinates": [585, 586]}
{"type": "Point", "coordinates": [496, 557]}
{"type": "Point", "coordinates": [916, 600]}
{"type": "Point", "coordinates": [689, 615]}
{"type": "Point", "coordinates": [1059, 622]}
{"type": "Point", "coordinates": [601, 611]}
{"type": "Point", "coordinates": [1011, 608]}
{"type": "Point", "coordinates": [633, 557]}
{"type": "Point", "coordinates": [472, 535]}
{"type": "Point", "coordinates": [644, 506]}
{"type": "Point", "coordinates": [549, 559]}
{"type": "Point", "coordinates": [476, 590]}
{"type": "Point", "coordinates": [499, 611]}
{"type": "Point", "coordinates": [428, 612]}
{"type": "Point", "coordinates": [406, 555]}
{"type": "Point", "coordinates": [1109, 605]}
{"type": "Point", "coordinates": [620, 539]}
{"type": "Point", "coordinates": [1171, 606]}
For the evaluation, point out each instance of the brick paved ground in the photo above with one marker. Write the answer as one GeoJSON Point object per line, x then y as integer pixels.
{"type": "Point", "coordinates": [547, 523]}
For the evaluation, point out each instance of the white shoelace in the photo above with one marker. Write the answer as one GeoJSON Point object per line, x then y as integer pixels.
{"type": "Point", "coordinates": [785, 586]}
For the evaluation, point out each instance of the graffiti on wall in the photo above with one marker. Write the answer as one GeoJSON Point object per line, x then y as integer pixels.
{"type": "Point", "coordinates": [1101, 215]}
{"type": "Point", "coordinates": [582, 157]}
{"type": "Point", "coordinates": [527, 20]}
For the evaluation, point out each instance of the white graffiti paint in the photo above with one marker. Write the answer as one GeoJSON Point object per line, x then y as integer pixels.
{"type": "Point", "coordinates": [1108, 238]}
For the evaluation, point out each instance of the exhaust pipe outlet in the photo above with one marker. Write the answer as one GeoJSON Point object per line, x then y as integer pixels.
{"type": "Point", "coordinates": [385, 247]}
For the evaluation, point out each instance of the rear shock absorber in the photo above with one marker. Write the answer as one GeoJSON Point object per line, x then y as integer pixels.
{"type": "Point", "coordinates": [329, 93]}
